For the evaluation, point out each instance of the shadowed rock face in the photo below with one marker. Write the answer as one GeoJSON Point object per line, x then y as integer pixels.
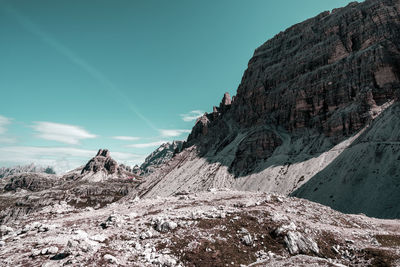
{"type": "Point", "coordinates": [101, 162]}
{"type": "Point", "coordinates": [325, 74]}
{"type": "Point", "coordinates": [159, 156]}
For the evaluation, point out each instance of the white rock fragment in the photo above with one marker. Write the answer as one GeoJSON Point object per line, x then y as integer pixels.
{"type": "Point", "coordinates": [277, 217]}
{"type": "Point", "coordinates": [113, 220]}
{"type": "Point", "coordinates": [164, 226]}
{"type": "Point", "coordinates": [165, 260]}
{"type": "Point", "coordinates": [138, 246]}
{"type": "Point", "coordinates": [6, 230]}
{"type": "Point", "coordinates": [247, 240]}
{"type": "Point", "coordinates": [284, 228]}
{"type": "Point", "coordinates": [79, 235]}
{"type": "Point", "coordinates": [52, 250]}
{"type": "Point", "coordinates": [99, 238]}
{"type": "Point", "coordinates": [48, 250]}
{"type": "Point", "coordinates": [146, 234]}
{"type": "Point", "coordinates": [296, 243]}
{"type": "Point", "coordinates": [36, 252]}
{"type": "Point", "coordinates": [110, 259]}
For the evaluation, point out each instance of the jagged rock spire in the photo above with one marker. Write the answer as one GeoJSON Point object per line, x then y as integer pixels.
{"type": "Point", "coordinates": [226, 100]}
{"type": "Point", "coordinates": [103, 153]}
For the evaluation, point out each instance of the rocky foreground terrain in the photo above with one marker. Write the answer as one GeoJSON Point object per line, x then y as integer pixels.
{"type": "Point", "coordinates": [215, 228]}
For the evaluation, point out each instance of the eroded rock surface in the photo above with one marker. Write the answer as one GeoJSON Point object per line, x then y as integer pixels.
{"type": "Point", "coordinates": [216, 228]}
{"type": "Point", "coordinates": [158, 157]}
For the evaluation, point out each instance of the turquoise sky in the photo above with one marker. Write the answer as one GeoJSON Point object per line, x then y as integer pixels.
{"type": "Point", "coordinates": [78, 75]}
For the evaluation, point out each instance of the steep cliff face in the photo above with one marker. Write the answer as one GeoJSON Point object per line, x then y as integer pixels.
{"type": "Point", "coordinates": [306, 95]}
{"type": "Point", "coordinates": [325, 74]}
{"type": "Point", "coordinates": [159, 156]}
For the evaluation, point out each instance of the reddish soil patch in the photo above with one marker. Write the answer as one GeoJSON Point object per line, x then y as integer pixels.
{"type": "Point", "coordinates": [227, 246]}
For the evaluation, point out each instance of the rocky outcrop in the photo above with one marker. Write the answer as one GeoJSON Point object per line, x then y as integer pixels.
{"type": "Point", "coordinates": [102, 162]}
{"type": "Point", "coordinates": [30, 181]}
{"type": "Point", "coordinates": [102, 166]}
{"type": "Point", "coordinates": [100, 182]}
{"type": "Point", "coordinates": [159, 156]}
{"type": "Point", "coordinates": [307, 94]}
{"type": "Point", "coordinates": [32, 168]}
{"type": "Point", "coordinates": [325, 73]}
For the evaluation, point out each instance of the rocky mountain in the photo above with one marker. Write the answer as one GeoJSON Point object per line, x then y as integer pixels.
{"type": "Point", "coordinates": [100, 182]}
{"type": "Point", "coordinates": [316, 116]}
{"type": "Point", "coordinates": [32, 168]}
{"type": "Point", "coordinates": [159, 156]}
{"type": "Point", "coordinates": [103, 167]}
{"type": "Point", "coordinates": [311, 99]}
{"type": "Point", "coordinates": [216, 228]}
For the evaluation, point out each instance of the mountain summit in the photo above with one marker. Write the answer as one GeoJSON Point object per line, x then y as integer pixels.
{"type": "Point", "coordinates": [102, 166]}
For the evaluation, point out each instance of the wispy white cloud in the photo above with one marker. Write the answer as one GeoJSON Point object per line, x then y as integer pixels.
{"type": "Point", "coordinates": [192, 115]}
{"type": "Point", "coordinates": [4, 121]}
{"type": "Point", "coordinates": [64, 133]}
{"type": "Point", "coordinates": [126, 138]}
{"type": "Point", "coordinates": [61, 158]}
{"type": "Point", "coordinates": [173, 132]}
{"type": "Point", "coordinates": [5, 139]}
{"type": "Point", "coordinates": [145, 145]}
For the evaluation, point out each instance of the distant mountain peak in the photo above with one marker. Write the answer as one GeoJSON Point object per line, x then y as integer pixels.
{"type": "Point", "coordinates": [103, 167]}
{"type": "Point", "coordinates": [31, 168]}
{"type": "Point", "coordinates": [159, 156]}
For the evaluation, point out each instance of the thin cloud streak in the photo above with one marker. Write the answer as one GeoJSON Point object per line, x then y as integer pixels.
{"type": "Point", "coordinates": [64, 133]}
{"type": "Point", "coordinates": [192, 115]}
{"type": "Point", "coordinates": [4, 139]}
{"type": "Point", "coordinates": [4, 121]}
{"type": "Point", "coordinates": [7, 140]}
{"type": "Point", "coordinates": [145, 145]}
{"type": "Point", "coordinates": [126, 138]}
{"type": "Point", "coordinates": [33, 28]}
{"type": "Point", "coordinates": [173, 132]}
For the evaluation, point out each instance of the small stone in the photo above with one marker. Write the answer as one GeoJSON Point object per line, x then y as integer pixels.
{"type": "Point", "coordinates": [110, 258]}
{"type": "Point", "coordinates": [247, 240]}
{"type": "Point", "coordinates": [35, 252]}
{"type": "Point", "coordinates": [5, 230]}
{"type": "Point", "coordinates": [52, 250]}
{"type": "Point", "coordinates": [98, 238]}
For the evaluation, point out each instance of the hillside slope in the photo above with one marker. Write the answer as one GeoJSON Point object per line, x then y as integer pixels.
{"type": "Point", "coordinates": [366, 176]}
